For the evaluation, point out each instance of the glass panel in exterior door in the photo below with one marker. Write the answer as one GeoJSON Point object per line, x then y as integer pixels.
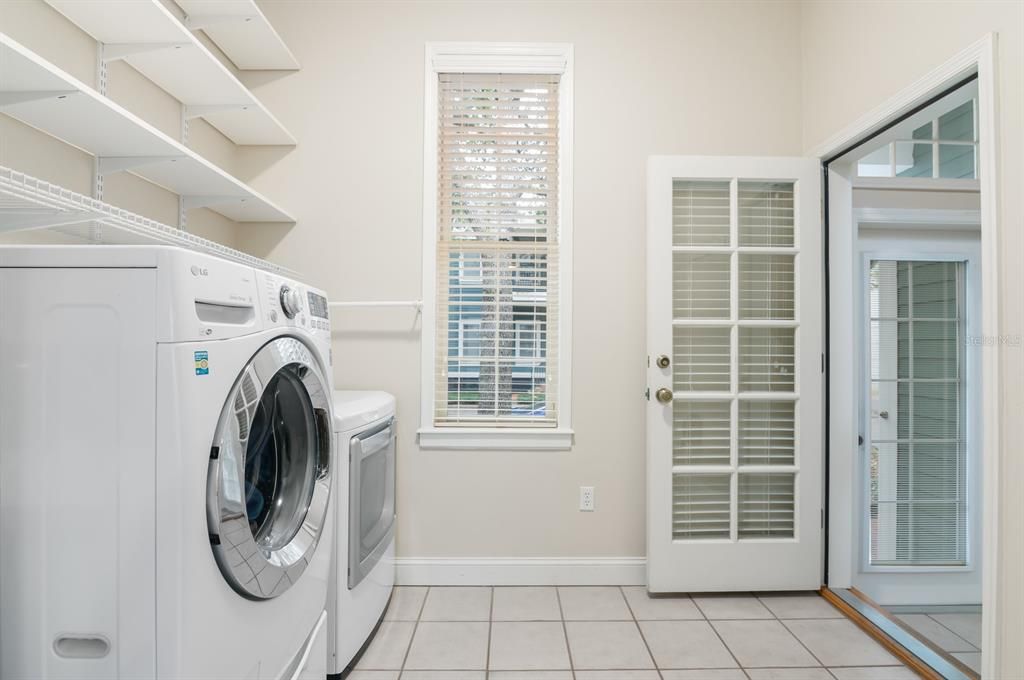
{"type": "Point", "coordinates": [767, 357]}
{"type": "Point", "coordinates": [917, 463]}
{"type": "Point", "coordinates": [734, 291]}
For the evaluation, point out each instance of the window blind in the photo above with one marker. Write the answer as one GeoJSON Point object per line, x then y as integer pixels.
{"type": "Point", "coordinates": [497, 250]}
{"type": "Point", "coordinates": [918, 456]}
{"type": "Point", "coordinates": [734, 293]}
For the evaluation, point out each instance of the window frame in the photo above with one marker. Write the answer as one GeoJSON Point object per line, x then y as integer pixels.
{"type": "Point", "coordinates": [474, 57]}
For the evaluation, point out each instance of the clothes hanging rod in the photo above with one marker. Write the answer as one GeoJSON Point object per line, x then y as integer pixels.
{"type": "Point", "coordinates": [418, 304]}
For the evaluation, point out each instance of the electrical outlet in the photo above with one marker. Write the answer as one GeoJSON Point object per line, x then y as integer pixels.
{"type": "Point", "coordinates": [587, 498]}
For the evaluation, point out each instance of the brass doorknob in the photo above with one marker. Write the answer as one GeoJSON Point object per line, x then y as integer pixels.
{"type": "Point", "coordinates": [664, 395]}
{"type": "Point", "coordinates": [663, 361]}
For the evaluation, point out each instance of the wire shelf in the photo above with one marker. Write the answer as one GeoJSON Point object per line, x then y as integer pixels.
{"type": "Point", "coordinates": [28, 203]}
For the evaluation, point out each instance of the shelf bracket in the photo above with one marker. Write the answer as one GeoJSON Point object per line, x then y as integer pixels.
{"type": "Point", "coordinates": [190, 202]}
{"type": "Point", "coordinates": [22, 96]}
{"type": "Point", "coordinates": [116, 51]}
{"type": "Point", "coordinates": [112, 164]}
{"type": "Point", "coordinates": [19, 221]}
{"type": "Point", "coordinates": [201, 110]}
{"type": "Point", "coordinates": [198, 21]}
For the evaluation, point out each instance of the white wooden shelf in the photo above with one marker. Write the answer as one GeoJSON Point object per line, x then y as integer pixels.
{"type": "Point", "coordinates": [39, 94]}
{"type": "Point", "coordinates": [148, 37]}
{"type": "Point", "coordinates": [29, 203]}
{"type": "Point", "coordinates": [240, 30]}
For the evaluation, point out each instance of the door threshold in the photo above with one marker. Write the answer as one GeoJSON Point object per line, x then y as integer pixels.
{"type": "Point", "coordinates": [922, 657]}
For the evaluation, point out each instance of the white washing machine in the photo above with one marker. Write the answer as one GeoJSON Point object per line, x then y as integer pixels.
{"type": "Point", "coordinates": [165, 467]}
{"type": "Point", "coordinates": [363, 570]}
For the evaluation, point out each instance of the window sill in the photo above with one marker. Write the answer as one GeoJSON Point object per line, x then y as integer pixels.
{"type": "Point", "coordinates": [490, 439]}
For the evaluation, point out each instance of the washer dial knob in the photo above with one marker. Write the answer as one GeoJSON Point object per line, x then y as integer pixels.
{"type": "Point", "coordinates": [291, 301]}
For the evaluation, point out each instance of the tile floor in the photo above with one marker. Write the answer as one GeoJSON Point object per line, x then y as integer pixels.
{"type": "Point", "coordinates": [957, 630]}
{"type": "Point", "coordinates": [611, 633]}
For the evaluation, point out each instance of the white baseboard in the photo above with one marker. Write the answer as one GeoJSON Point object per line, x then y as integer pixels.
{"type": "Point", "coordinates": [521, 571]}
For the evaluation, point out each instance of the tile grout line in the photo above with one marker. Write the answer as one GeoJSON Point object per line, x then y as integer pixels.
{"type": "Point", "coordinates": [415, 627]}
{"type": "Point", "coordinates": [793, 635]}
{"type": "Point", "coordinates": [565, 632]}
{"type": "Point", "coordinates": [720, 639]}
{"type": "Point", "coordinates": [629, 607]}
{"type": "Point", "coordinates": [490, 628]}
{"type": "Point", "coordinates": [953, 632]}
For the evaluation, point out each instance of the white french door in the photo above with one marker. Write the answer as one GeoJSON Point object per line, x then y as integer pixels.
{"type": "Point", "coordinates": [734, 336]}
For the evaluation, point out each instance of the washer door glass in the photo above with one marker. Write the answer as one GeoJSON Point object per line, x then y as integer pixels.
{"type": "Point", "coordinates": [269, 477]}
{"type": "Point", "coordinates": [279, 472]}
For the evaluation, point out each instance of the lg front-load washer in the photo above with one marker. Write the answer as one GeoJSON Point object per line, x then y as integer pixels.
{"type": "Point", "coordinates": [363, 570]}
{"type": "Point", "coordinates": [166, 467]}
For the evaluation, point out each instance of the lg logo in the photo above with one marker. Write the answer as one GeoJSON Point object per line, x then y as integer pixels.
{"type": "Point", "coordinates": [199, 271]}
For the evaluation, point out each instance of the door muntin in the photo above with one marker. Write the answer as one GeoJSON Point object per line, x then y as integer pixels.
{"type": "Point", "coordinates": [371, 499]}
{"type": "Point", "coordinates": [269, 475]}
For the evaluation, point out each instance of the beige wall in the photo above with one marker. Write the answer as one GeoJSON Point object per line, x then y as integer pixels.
{"type": "Point", "coordinates": [712, 78]}
{"type": "Point", "coordinates": [855, 56]}
{"type": "Point", "coordinates": [45, 31]}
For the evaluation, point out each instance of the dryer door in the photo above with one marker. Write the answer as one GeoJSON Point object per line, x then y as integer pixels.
{"type": "Point", "coordinates": [269, 479]}
{"type": "Point", "coordinates": [371, 499]}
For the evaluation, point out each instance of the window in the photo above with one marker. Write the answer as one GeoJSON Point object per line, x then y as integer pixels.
{"type": "Point", "coordinates": [497, 244]}
{"type": "Point", "coordinates": [945, 147]}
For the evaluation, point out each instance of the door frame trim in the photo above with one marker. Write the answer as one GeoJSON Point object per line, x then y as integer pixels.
{"type": "Point", "coordinates": [979, 58]}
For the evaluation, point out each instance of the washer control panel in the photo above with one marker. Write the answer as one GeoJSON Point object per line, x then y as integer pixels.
{"type": "Point", "coordinates": [290, 303]}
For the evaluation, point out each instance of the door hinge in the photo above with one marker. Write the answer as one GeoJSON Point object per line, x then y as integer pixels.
{"type": "Point", "coordinates": [822, 362]}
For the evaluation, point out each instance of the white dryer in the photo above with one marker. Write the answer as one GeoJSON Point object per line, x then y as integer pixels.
{"type": "Point", "coordinates": [363, 570]}
{"type": "Point", "coordinates": [165, 467]}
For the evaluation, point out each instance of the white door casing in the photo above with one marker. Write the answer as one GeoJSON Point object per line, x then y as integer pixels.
{"type": "Point", "coordinates": [734, 300]}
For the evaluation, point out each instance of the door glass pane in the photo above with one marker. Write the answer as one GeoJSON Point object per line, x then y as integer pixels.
{"type": "Point", "coordinates": [700, 286]}
{"type": "Point", "coordinates": [918, 455]}
{"type": "Point", "coordinates": [767, 501]}
{"type": "Point", "coordinates": [766, 360]}
{"type": "Point", "coordinates": [701, 432]}
{"type": "Point", "coordinates": [702, 359]}
{"type": "Point", "coordinates": [767, 430]}
{"type": "Point", "coordinates": [700, 213]}
{"type": "Point", "coordinates": [766, 286]}
{"type": "Point", "coordinates": [766, 214]}
{"type": "Point", "coordinates": [700, 506]}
